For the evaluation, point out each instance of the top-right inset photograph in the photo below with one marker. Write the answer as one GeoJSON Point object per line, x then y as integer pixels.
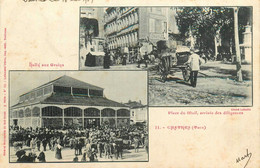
{"type": "Point", "coordinates": [206, 61]}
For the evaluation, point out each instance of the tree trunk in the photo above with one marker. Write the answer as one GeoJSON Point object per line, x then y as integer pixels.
{"type": "Point", "coordinates": [238, 57]}
{"type": "Point", "coordinates": [216, 47]}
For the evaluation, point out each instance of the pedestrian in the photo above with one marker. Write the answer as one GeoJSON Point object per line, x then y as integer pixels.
{"type": "Point", "coordinates": [142, 139]}
{"type": "Point", "coordinates": [38, 143]}
{"type": "Point", "coordinates": [143, 59]}
{"type": "Point", "coordinates": [120, 150]}
{"type": "Point", "coordinates": [32, 144]}
{"type": "Point", "coordinates": [44, 144]}
{"type": "Point", "coordinates": [124, 59]}
{"type": "Point", "coordinates": [24, 158]}
{"type": "Point", "coordinates": [75, 159]}
{"type": "Point", "coordinates": [100, 147]}
{"type": "Point", "coordinates": [139, 59]}
{"type": "Point", "coordinates": [83, 159]}
{"type": "Point", "coordinates": [115, 146]}
{"type": "Point", "coordinates": [58, 152]}
{"type": "Point", "coordinates": [136, 141]}
{"type": "Point", "coordinates": [93, 155]}
{"type": "Point", "coordinates": [20, 153]}
{"type": "Point", "coordinates": [106, 63]}
{"type": "Point", "coordinates": [88, 146]}
{"type": "Point", "coordinates": [111, 58]}
{"type": "Point", "coordinates": [32, 156]}
{"type": "Point", "coordinates": [41, 157]}
{"type": "Point", "coordinates": [146, 144]}
{"type": "Point", "coordinates": [107, 149]}
{"type": "Point", "coordinates": [194, 63]}
{"type": "Point", "coordinates": [146, 59]}
{"type": "Point", "coordinates": [76, 147]}
{"type": "Point", "coordinates": [81, 144]}
{"type": "Point", "coordinates": [71, 143]}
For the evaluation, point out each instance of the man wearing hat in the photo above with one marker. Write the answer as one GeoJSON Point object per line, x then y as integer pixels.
{"type": "Point", "coordinates": [194, 62]}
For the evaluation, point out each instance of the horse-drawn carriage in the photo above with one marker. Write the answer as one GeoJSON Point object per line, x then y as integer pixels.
{"type": "Point", "coordinates": [172, 59]}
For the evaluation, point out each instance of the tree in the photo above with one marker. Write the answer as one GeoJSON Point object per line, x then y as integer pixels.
{"type": "Point", "coordinates": [205, 24]}
{"type": "Point", "coordinates": [238, 60]}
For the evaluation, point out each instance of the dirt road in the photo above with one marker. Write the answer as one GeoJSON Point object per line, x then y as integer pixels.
{"type": "Point", "coordinates": [215, 87]}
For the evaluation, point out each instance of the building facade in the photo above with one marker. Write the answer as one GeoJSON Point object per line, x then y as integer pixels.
{"type": "Point", "coordinates": [127, 27]}
{"type": "Point", "coordinates": [138, 112]}
{"type": "Point", "coordinates": [68, 102]}
{"type": "Point", "coordinates": [91, 36]}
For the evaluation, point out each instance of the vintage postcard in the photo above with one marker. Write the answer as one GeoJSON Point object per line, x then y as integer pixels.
{"type": "Point", "coordinates": [129, 84]}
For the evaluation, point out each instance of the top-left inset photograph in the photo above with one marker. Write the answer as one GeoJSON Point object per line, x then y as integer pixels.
{"type": "Point", "coordinates": [123, 38]}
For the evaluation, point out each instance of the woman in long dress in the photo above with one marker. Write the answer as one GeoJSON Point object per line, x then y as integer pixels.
{"type": "Point", "coordinates": [58, 152]}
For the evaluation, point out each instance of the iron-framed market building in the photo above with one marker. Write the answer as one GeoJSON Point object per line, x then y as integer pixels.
{"type": "Point", "coordinates": [68, 102]}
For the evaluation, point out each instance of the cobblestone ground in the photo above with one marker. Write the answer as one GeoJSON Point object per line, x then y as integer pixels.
{"type": "Point", "coordinates": [68, 155]}
{"type": "Point", "coordinates": [216, 86]}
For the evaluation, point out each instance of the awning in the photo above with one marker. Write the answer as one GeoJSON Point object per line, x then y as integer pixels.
{"type": "Point", "coordinates": [97, 53]}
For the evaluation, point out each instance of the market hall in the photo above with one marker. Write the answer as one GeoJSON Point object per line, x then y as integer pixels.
{"type": "Point", "coordinates": [68, 102]}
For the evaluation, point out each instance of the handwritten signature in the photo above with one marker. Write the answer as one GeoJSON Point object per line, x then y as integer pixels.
{"type": "Point", "coordinates": [246, 156]}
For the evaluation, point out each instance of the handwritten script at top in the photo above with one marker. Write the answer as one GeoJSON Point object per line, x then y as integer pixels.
{"type": "Point", "coordinates": [85, 1]}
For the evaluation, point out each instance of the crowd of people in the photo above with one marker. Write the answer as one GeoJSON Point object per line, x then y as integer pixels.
{"type": "Point", "coordinates": [88, 144]}
{"type": "Point", "coordinates": [113, 58]}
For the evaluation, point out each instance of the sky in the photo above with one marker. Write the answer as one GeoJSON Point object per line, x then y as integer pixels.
{"type": "Point", "coordinates": [120, 86]}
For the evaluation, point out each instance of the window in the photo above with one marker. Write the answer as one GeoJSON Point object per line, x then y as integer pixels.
{"type": "Point", "coordinates": [123, 113]}
{"type": "Point", "coordinates": [36, 112]}
{"type": "Point", "coordinates": [164, 26]}
{"type": "Point", "coordinates": [151, 25]}
{"type": "Point", "coordinates": [32, 95]}
{"type": "Point", "coordinates": [91, 112]}
{"type": "Point", "coordinates": [27, 112]}
{"type": "Point", "coordinates": [51, 111]}
{"type": "Point", "coordinates": [133, 113]}
{"type": "Point", "coordinates": [73, 112]}
{"type": "Point", "coordinates": [61, 89]}
{"type": "Point", "coordinates": [96, 92]}
{"type": "Point", "coordinates": [108, 112]}
{"type": "Point", "coordinates": [39, 93]}
{"type": "Point", "coordinates": [15, 115]}
{"type": "Point", "coordinates": [80, 92]}
{"type": "Point", "coordinates": [22, 98]}
{"type": "Point", "coordinates": [158, 26]}
{"type": "Point", "coordinates": [27, 96]}
{"type": "Point", "coordinates": [47, 89]}
{"type": "Point", "coordinates": [21, 114]}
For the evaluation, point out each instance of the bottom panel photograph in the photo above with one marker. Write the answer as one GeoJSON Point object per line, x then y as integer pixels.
{"type": "Point", "coordinates": [78, 116]}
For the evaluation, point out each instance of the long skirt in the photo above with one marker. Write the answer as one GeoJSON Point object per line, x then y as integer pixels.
{"type": "Point", "coordinates": [58, 154]}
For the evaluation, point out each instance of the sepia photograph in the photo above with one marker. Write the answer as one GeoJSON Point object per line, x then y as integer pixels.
{"type": "Point", "coordinates": [73, 116]}
{"type": "Point", "coordinates": [195, 56]}
{"type": "Point", "coordinates": [129, 84]}
{"type": "Point", "coordinates": [120, 38]}
{"type": "Point", "coordinates": [207, 61]}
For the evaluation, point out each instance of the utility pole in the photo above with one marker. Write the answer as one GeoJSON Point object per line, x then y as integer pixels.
{"type": "Point", "coordinates": [238, 57]}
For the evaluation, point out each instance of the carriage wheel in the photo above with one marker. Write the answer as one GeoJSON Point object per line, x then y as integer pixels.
{"type": "Point", "coordinates": [185, 75]}
{"type": "Point", "coordinates": [163, 74]}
